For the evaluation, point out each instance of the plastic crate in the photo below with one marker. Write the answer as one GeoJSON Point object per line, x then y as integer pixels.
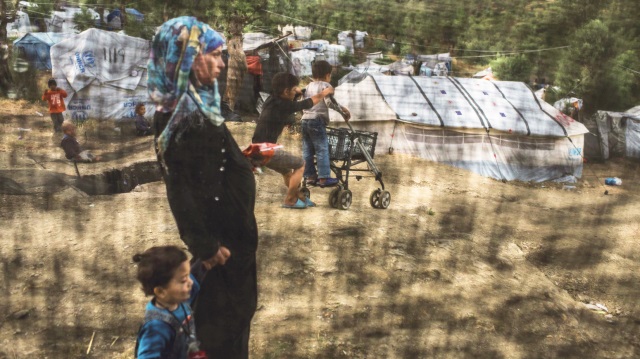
{"type": "Point", "coordinates": [340, 142]}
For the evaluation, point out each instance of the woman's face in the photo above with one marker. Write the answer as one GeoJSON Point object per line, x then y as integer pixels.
{"type": "Point", "coordinates": [207, 67]}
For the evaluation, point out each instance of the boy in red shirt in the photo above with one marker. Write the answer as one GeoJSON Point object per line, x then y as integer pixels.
{"type": "Point", "coordinates": [54, 96]}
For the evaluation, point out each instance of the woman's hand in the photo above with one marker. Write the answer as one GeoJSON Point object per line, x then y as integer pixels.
{"type": "Point", "coordinates": [219, 259]}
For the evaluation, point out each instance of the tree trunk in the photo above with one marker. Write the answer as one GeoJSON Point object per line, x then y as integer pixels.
{"type": "Point", "coordinates": [165, 13]}
{"type": "Point", "coordinates": [123, 15]}
{"type": "Point", "coordinates": [6, 17]}
{"type": "Point", "coordinates": [237, 65]}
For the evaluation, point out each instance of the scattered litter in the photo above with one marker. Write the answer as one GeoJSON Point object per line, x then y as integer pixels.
{"type": "Point", "coordinates": [602, 306]}
{"type": "Point", "coordinates": [568, 188]}
{"type": "Point", "coordinates": [598, 308]}
{"type": "Point", "coordinates": [613, 181]}
{"type": "Point", "coordinates": [91, 343]}
{"type": "Point", "coordinates": [92, 205]}
{"type": "Point", "coordinates": [39, 114]}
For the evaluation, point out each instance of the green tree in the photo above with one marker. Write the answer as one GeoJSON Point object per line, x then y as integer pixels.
{"type": "Point", "coordinates": [586, 68]}
{"type": "Point", "coordinates": [512, 68]}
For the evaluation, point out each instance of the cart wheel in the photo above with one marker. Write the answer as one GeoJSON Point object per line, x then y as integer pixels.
{"type": "Point", "coordinates": [334, 196]}
{"type": "Point", "coordinates": [390, 150]}
{"type": "Point", "coordinates": [305, 192]}
{"type": "Point", "coordinates": [374, 199]}
{"type": "Point", "coordinates": [385, 200]}
{"type": "Point", "coordinates": [345, 199]}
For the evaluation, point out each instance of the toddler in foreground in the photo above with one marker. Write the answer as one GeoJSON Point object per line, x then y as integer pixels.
{"type": "Point", "coordinates": [168, 329]}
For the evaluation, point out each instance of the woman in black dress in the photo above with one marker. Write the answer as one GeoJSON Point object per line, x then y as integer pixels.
{"type": "Point", "coordinates": [210, 184]}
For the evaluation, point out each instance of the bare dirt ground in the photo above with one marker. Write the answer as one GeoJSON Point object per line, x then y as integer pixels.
{"type": "Point", "coordinates": [459, 266]}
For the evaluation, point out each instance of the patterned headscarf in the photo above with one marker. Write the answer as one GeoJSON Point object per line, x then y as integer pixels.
{"type": "Point", "coordinates": [173, 51]}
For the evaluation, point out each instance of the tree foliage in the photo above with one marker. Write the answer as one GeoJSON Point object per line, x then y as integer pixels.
{"type": "Point", "coordinates": [588, 47]}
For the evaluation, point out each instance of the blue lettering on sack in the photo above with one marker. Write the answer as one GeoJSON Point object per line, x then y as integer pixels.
{"type": "Point", "coordinates": [89, 59]}
{"type": "Point", "coordinates": [79, 63]}
{"type": "Point", "coordinates": [79, 107]}
{"type": "Point", "coordinates": [575, 151]}
{"type": "Point", "coordinates": [79, 116]}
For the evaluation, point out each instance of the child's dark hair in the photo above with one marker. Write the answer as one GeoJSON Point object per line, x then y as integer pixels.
{"type": "Point", "coordinates": [138, 106]}
{"type": "Point", "coordinates": [282, 81]}
{"type": "Point", "coordinates": [157, 265]}
{"type": "Point", "coordinates": [320, 69]}
{"type": "Point", "coordinates": [52, 81]}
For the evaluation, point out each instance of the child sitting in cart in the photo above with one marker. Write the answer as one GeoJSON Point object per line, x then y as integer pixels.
{"type": "Point", "coordinates": [314, 133]}
{"type": "Point", "coordinates": [277, 112]}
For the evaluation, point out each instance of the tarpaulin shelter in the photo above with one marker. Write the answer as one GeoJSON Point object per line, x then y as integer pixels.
{"type": "Point", "coordinates": [298, 32]}
{"type": "Point", "coordinates": [20, 26]}
{"type": "Point", "coordinates": [401, 68]}
{"type": "Point", "coordinates": [351, 40]}
{"type": "Point", "coordinates": [274, 57]}
{"type": "Point", "coordinates": [438, 64]}
{"type": "Point", "coordinates": [495, 128]}
{"type": "Point", "coordinates": [63, 21]}
{"type": "Point", "coordinates": [104, 73]}
{"type": "Point", "coordinates": [332, 53]}
{"type": "Point", "coordinates": [617, 134]}
{"type": "Point", "coordinates": [367, 66]}
{"type": "Point", "coordinates": [35, 47]}
{"type": "Point", "coordinates": [302, 60]}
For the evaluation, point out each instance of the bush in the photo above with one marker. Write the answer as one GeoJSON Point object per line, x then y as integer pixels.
{"type": "Point", "coordinates": [513, 68]}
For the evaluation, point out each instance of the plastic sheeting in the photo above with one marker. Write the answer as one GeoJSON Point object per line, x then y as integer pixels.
{"type": "Point", "coordinates": [62, 21]}
{"type": "Point", "coordinates": [253, 40]}
{"type": "Point", "coordinates": [319, 45]}
{"type": "Point", "coordinates": [352, 41]}
{"type": "Point", "coordinates": [447, 119]}
{"type": "Point", "coordinates": [21, 26]}
{"type": "Point", "coordinates": [302, 60]}
{"type": "Point", "coordinates": [619, 133]}
{"type": "Point", "coordinates": [104, 74]}
{"type": "Point", "coordinates": [333, 52]}
{"type": "Point", "coordinates": [35, 47]}
{"type": "Point", "coordinates": [299, 32]}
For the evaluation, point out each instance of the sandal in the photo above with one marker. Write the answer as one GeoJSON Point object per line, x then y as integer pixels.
{"type": "Point", "coordinates": [308, 202]}
{"type": "Point", "coordinates": [298, 205]}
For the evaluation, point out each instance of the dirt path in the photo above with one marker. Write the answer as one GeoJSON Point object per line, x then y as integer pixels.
{"type": "Point", "coordinates": [459, 266]}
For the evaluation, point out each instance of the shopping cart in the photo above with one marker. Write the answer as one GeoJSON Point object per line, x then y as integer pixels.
{"type": "Point", "coordinates": [349, 148]}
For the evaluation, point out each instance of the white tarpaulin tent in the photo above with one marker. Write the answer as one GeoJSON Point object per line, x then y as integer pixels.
{"type": "Point", "coordinates": [347, 39]}
{"type": "Point", "coordinates": [302, 60]}
{"type": "Point", "coordinates": [104, 73]}
{"type": "Point", "coordinates": [63, 21]}
{"type": "Point", "coordinates": [618, 134]}
{"type": "Point", "coordinates": [495, 128]}
{"type": "Point", "coordinates": [298, 32]}
{"type": "Point", "coordinates": [21, 26]}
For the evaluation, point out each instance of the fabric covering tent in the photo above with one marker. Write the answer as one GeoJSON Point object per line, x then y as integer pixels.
{"type": "Point", "coordinates": [63, 21]}
{"type": "Point", "coordinates": [35, 47]}
{"type": "Point", "coordinates": [21, 26]}
{"type": "Point", "coordinates": [302, 61]}
{"type": "Point", "coordinates": [618, 135]}
{"type": "Point", "coordinates": [495, 128]}
{"type": "Point", "coordinates": [274, 57]}
{"type": "Point", "coordinates": [104, 73]}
